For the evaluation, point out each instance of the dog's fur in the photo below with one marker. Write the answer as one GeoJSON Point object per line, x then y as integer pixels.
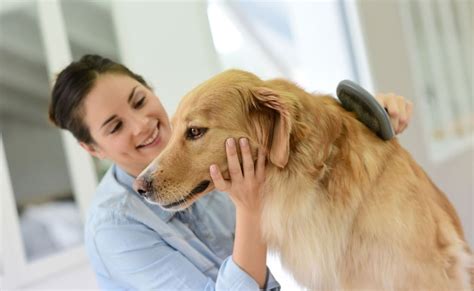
{"type": "Point", "coordinates": [344, 209]}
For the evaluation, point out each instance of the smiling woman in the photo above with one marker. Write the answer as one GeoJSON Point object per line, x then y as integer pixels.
{"type": "Point", "coordinates": [124, 121]}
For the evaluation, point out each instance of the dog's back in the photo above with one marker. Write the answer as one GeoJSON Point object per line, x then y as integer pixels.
{"type": "Point", "coordinates": [362, 213]}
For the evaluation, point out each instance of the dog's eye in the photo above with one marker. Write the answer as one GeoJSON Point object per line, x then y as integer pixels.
{"type": "Point", "coordinates": [195, 132]}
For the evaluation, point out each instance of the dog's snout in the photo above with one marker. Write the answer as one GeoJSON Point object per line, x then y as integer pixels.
{"type": "Point", "coordinates": [143, 184]}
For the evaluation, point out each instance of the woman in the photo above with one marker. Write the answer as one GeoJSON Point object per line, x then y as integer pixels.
{"type": "Point", "coordinates": [214, 244]}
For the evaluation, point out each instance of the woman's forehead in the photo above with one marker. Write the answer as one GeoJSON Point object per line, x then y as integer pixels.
{"type": "Point", "coordinates": [113, 83]}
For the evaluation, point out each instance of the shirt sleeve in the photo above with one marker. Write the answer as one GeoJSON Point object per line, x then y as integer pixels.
{"type": "Point", "coordinates": [136, 257]}
{"type": "Point", "coordinates": [232, 277]}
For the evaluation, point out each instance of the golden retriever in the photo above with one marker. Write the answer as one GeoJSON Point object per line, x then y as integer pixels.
{"type": "Point", "coordinates": [344, 209]}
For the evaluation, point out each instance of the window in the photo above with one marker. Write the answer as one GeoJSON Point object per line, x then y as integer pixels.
{"type": "Point", "coordinates": [440, 34]}
{"type": "Point", "coordinates": [315, 44]}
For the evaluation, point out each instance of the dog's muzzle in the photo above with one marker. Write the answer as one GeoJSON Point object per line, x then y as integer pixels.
{"type": "Point", "coordinates": [198, 189]}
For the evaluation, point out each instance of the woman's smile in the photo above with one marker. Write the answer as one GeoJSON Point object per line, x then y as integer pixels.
{"type": "Point", "coordinates": [152, 140]}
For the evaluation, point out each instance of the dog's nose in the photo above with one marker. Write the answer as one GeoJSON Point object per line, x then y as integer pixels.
{"type": "Point", "coordinates": [143, 184]}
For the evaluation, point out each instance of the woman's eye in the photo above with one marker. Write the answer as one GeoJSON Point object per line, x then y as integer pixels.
{"type": "Point", "coordinates": [140, 102]}
{"type": "Point", "coordinates": [195, 132]}
{"type": "Point", "coordinates": [116, 127]}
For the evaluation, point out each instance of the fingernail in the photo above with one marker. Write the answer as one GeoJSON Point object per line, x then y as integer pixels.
{"type": "Point", "coordinates": [231, 142]}
{"type": "Point", "coordinates": [244, 141]}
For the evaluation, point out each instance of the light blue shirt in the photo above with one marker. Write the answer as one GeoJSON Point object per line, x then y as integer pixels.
{"type": "Point", "coordinates": [133, 244]}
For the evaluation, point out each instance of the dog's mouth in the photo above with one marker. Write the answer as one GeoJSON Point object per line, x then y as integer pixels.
{"type": "Point", "coordinates": [201, 187]}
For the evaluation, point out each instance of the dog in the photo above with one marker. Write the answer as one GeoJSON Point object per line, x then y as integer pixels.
{"type": "Point", "coordinates": [344, 209]}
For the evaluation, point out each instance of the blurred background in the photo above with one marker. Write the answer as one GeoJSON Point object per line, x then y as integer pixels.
{"type": "Point", "coordinates": [421, 49]}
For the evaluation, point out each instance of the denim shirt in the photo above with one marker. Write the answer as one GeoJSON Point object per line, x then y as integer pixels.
{"type": "Point", "coordinates": [133, 244]}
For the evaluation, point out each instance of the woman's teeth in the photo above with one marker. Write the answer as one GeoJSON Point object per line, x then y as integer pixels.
{"type": "Point", "coordinates": [151, 139]}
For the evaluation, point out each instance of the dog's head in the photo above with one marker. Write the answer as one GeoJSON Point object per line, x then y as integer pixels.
{"type": "Point", "coordinates": [232, 104]}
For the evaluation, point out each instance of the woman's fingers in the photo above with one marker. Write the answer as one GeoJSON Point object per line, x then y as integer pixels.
{"type": "Point", "coordinates": [233, 160]}
{"type": "Point", "coordinates": [402, 113]}
{"type": "Point", "coordinates": [399, 109]}
{"type": "Point", "coordinates": [252, 171]}
{"type": "Point", "coordinates": [247, 159]}
{"type": "Point", "coordinates": [409, 111]}
{"type": "Point", "coordinates": [218, 180]}
{"type": "Point", "coordinates": [391, 105]}
{"type": "Point", "coordinates": [243, 188]}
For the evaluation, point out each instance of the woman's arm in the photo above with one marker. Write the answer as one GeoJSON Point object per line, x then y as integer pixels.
{"type": "Point", "coordinates": [250, 250]}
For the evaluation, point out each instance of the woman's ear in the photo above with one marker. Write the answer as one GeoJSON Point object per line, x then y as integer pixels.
{"type": "Point", "coordinates": [279, 134]}
{"type": "Point", "coordinates": [93, 150]}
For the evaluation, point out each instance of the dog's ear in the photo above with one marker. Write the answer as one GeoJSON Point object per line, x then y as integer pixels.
{"type": "Point", "coordinates": [279, 148]}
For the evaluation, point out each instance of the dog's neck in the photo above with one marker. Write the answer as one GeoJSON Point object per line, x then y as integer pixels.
{"type": "Point", "coordinates": [337, 148]}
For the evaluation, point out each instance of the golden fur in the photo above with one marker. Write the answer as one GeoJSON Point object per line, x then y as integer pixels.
{"type": "Point", "coordinates": [344, 209]}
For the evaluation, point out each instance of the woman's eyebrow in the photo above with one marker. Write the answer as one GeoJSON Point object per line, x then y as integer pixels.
{"type": "Point", "coordinates": [113, 116]}
{"type": "Point", "coordinates": [108, 120]}
{"type": "Point", "coordinates": [131, 94]}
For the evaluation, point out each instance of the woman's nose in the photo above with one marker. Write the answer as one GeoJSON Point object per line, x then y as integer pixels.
{"type": "Point", "coordinates": [140, 124]}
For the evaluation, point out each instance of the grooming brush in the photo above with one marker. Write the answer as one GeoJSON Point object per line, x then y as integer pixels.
{"type": "Point", "coordinates": [356, 99]}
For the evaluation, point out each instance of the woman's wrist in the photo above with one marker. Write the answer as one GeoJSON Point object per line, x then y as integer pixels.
{"type": "Point", "coordinates": [249, 224]}
{"type": "Point", "coordinates": [250, 250]}
{"type": "Point", "coordinates": [251, 214]}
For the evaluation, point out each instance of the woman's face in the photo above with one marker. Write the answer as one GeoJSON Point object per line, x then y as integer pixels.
{"type": "Point", "coordinates": [127, 122]}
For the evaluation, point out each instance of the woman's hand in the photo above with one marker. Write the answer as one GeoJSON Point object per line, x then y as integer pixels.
{"type": "Point", "coordinates": [245, 190]}
{"type": "Point", "coordinates": [245, 186]}
{"type": "Point", "coordinates": [399, 109]}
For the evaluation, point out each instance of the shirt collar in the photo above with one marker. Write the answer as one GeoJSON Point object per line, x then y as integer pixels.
{"type": "Point", "coordinates": [126, 180]}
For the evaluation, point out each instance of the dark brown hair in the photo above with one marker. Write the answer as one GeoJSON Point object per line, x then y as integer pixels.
{"type": "Point", "coordinates": [72, 84]}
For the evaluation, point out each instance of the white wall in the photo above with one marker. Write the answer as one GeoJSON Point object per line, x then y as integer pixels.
{"type": "Point", "coordinates": [168, 43]}
{"type": "Point", "coordinates": [321, 45]}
